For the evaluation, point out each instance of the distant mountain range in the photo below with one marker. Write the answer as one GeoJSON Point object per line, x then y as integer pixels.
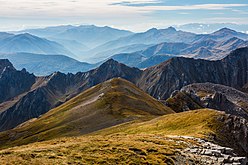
{"type": "Point", "coordinates": [31, 44]}
{"type": "Point", "coordinates": [79, 39]}
{"type": "Point", "coordinates": [171, 35]}
{"type": "Point", "coordinates": [41, 64]}
{"type": "Point", "coordinates": [204, 49]}
{"type": "Point", "coordinates": [201, 28]}
{"type": "Point", "coordinates": [140, 50]}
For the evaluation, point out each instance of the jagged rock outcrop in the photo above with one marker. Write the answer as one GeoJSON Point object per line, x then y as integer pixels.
{"type": "Point", "coordinates": [205, 152]}
{"type": "Point", "coordinates": [209, 95]}
{"type": "Point", "coordinates": [236, 131]}
{"type": "Point", "coordinates": [13, 82]}
{"type": "Point", "coordinates": [161, 80]}
{"type": "Point", "coordinates": [4, 63]}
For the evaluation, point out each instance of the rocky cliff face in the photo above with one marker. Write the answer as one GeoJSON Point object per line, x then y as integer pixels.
{"type": "Point", "coordinates": [236, 129]}
{"type": "Point", "coordinates": [160, 81]}
{"type": "Point", "coordinates": [4, 63]}
{"type": "Point", "coordinates": [56, 89]}
{"type": "Point", "coordinates": [13, 82]}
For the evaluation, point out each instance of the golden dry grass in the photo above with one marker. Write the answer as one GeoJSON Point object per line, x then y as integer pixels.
{"type": "Point", "coordinates": [110, 103]}
{"type": "Point", "coordinates": [129, 143]}
{"type": "Point", "coordinates": [112, 149]}
{"type": "Point", "coordinates": [197, 123]}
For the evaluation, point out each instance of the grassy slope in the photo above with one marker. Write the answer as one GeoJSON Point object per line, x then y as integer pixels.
{"type": "Point", "coordinates": [145, 142]}
{"type": "Point", "coordinates": [113, 102]}
{"type": "Point", "coordinates": [198, 123]}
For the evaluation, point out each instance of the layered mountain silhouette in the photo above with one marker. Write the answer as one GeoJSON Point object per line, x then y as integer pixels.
{"type": "Point", "coordinates": [175, 42]}
{"type": "Point", "coordinates": [140, 50]}
{"type": "Point", "coordinates": [42, 65]}
{"type": "Point", "coordinates": [83, 37]}
{"type": "Point", "coordinates": [206, 49]}
{"type": "Point", "coordinates": [31, 44]}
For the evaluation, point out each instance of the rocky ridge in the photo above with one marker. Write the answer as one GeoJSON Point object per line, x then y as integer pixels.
{"type": "Point", "coordinates": [161, 80]}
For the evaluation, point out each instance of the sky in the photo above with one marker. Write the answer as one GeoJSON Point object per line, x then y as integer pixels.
{"type": "Point", "coordinates": [135, 15]}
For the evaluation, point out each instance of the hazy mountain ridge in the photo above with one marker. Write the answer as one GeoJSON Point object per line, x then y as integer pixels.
{"type": "Point", "coordinates": [208, 49]}
{"type": "Point", "coordinates": [142, 49]}
{"type": "Point", "coordinates": [31, 44]}
{"type": "Point", "coordinates": [210, 28]}
{"type": "Point", "coordinates": [42, 65]}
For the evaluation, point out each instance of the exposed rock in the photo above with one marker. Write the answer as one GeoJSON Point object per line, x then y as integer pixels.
{"type": "Point", "coordinates": [161, 80]}
{"type": "Point", "coordinates": [53, 90]}
{"type": "Point", "coordinates": [4, 63]}
{"type": "Point", "coordinates": [13, 82]}
{"type": "Point", "coordinates": [209, 153]}
{"type": "Point", "coordinates": [236, 131]}
{"type": "Point", "coordinates": [208, 95]}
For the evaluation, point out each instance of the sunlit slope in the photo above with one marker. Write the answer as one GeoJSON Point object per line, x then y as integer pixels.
{"type": "Point", "coordinates": [199, 123]}
{"type": "Point", "coordinates": [147, 142]}
{"type": "Point", "coordinates": [108, 104]}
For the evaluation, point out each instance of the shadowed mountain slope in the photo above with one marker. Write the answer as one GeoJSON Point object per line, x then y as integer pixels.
{"type": "Point", "coordinates": [50, 91]}
{"type": "Point", "coordinates": [110, 103]}
{"type": "Point", "coordinates": [13, 82]}
{"type": "Point", "coordinates": [161, 80]}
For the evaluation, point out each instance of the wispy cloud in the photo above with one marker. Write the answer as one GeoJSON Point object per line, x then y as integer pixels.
{"type": "Point", "coordinates": [138, 3]}
{"type": "Point", "coordinates": [114, 12]}
{"type": "Point", "coordinates": [190, 7]}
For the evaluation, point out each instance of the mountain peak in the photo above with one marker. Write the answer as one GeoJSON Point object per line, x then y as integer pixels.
{"type": "Point", "coordinates": [25, 36]}
{"type": "Point", "coordinates": [152, 30]}
{"type": "Point", "coordinates": [107, 104]}
{"type": "Point", "coordinates": [225, 31]}
{"type": "Point", "coordinates": [5, 63]}
{"type": "Point", "coordinates": [109, 62]}
{"type": "Point", "coordinates": [171, 28]}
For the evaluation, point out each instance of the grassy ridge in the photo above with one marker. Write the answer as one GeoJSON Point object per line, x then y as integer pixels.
{"type": "Point", "coordinates": [111, 103]}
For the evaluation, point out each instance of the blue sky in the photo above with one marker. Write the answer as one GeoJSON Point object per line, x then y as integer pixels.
{"type": "Point", "coordinates": [136, 15]}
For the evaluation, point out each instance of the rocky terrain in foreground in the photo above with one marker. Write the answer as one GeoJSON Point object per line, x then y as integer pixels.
{"type": "Point", "coordinates": [204, 152]}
